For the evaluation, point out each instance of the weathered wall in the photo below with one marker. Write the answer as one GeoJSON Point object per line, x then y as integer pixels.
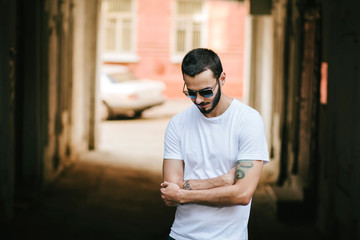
{"type": "Point", "coordinates": [276, 119]}
{"type": "Point", "coordinates": [84, 52]}
{"type": "Point", "coordinates": [48, 90]}
{"type": "Point", "coordinates": [339, 191]}
{"type": "Point", "coordinates": [327, 170]}
{"type": "Point", "coordinates": [7, 105]}
{"type": "Point", "coordinates": [260, 80]}
{"type": "Point", "coordinates": [70, 42]}
{"type": "Point", "coordinates": [57, 61]}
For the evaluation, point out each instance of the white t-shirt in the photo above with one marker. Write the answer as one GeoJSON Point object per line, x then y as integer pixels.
{"type": "Point", "coordinates": [209, 148]}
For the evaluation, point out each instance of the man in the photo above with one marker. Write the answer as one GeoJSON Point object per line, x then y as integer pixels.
{"type": "Point", "coordinates": [213, 158]}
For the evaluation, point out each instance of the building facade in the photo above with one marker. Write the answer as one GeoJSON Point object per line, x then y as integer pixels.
{"type": "Point", "coordinates": [151, 37]}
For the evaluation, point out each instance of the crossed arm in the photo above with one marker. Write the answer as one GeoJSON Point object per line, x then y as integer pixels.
{"type": "Point", "coordinates": [233, 188]}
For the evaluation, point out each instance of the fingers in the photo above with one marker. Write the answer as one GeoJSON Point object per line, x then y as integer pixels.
{"type": "Point", "coordinates": [164, 184]}
{"type": "Point", "coordinates": [167, 193]}
{"type": "Point", "coordinates": [168, 203]}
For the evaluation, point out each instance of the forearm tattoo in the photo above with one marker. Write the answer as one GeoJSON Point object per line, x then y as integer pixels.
{"type": "Point", "coordinates": [186, 185]}
{"type": "Point", "coordinates": [242, 167]}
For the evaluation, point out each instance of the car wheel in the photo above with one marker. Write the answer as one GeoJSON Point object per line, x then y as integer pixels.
{"type": "Point", "coordinates": [138, 113]}
{"type": "Point", "coordinates": [104, 111]}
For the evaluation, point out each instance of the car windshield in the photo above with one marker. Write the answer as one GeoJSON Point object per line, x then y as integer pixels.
{"type": "Point", "coordinates": [122, 77]}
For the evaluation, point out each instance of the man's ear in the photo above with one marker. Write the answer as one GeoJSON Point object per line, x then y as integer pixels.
{"type": "Point", "coordinates": [222, 78]}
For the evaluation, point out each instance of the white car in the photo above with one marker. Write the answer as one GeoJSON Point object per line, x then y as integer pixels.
{"type": "Point", "coordinates": [123, 94]}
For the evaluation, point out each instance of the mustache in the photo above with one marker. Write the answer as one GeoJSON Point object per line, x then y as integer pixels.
{"type": "Point", "coordinates": [202, 104]}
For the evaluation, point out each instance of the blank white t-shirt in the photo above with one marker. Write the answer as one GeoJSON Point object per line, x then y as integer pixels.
{"type": "Point", "coordinates": [209, 148]}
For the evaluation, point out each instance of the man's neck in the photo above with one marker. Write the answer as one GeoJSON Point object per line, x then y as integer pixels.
{"type": "Point", "coordinates": [222, 106]}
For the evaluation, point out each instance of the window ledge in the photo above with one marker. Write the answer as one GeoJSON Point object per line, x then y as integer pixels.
{"type": "Point", "coordinates": [120, 57]}
{"type": "Point", "coordinates": [177, 58]}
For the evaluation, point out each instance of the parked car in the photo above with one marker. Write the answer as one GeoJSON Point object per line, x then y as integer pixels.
{"type": "Point", "coordinates": [123, 94]}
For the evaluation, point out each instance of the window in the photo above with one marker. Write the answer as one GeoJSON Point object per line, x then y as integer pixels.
{"type": "Point", "coordinates": [118, 30]}
{"type": "Point", "coordinates": [189, 27]}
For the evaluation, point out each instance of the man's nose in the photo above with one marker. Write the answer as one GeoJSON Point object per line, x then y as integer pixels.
{"type": "Point", "coordinates": [199, 99]}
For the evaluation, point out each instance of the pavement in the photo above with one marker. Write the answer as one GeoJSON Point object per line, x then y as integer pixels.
{"type": "Point", "coordinates": [99, 197]}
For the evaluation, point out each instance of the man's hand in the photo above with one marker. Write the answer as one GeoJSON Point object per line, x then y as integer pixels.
{"type": "Point", "coordinates": [170, 193]}
{"type": "Point", "coordinates": [229, 177]}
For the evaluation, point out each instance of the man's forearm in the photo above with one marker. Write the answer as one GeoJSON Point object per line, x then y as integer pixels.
{"type": "Point", "coordinates": [228, 179]}
{"type": "Point", "coordinates": [198, 184]}
{"type": "Point", "coordinates": [201, 184]}
{"type": "Point", "coordinates": [219, 197]}
{"type": "Point", "coordinates": [239, 193]}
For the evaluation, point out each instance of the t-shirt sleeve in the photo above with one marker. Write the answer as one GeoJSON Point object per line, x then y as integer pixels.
{"type": "Point", "coordinates": [172, 143]}
{"type": "Point", "coordinates": [253, 145]}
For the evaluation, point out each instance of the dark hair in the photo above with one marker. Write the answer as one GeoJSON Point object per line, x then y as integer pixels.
{"type": "Point", "coordinates": [199, 60]}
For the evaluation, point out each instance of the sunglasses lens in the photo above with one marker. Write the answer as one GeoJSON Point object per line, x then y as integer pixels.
{"type": "Point", "coordinates": [206, 93]}
{"type": "Point", "coordinates": [192, 94]}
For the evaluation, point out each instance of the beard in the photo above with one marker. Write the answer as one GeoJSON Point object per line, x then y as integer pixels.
{"type": "Point", "coordinates": [214, 103]}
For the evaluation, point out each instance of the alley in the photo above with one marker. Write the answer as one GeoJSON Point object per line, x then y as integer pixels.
{"type": "Point", "coordinates": [113, 193]}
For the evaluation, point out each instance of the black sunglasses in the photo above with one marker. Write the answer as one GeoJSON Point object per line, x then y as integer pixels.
{"type": "Point", "coordinates": [206, 92]}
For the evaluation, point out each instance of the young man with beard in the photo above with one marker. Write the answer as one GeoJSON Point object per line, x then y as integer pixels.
{"type": "Point", "coordinates": [213, 157]}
